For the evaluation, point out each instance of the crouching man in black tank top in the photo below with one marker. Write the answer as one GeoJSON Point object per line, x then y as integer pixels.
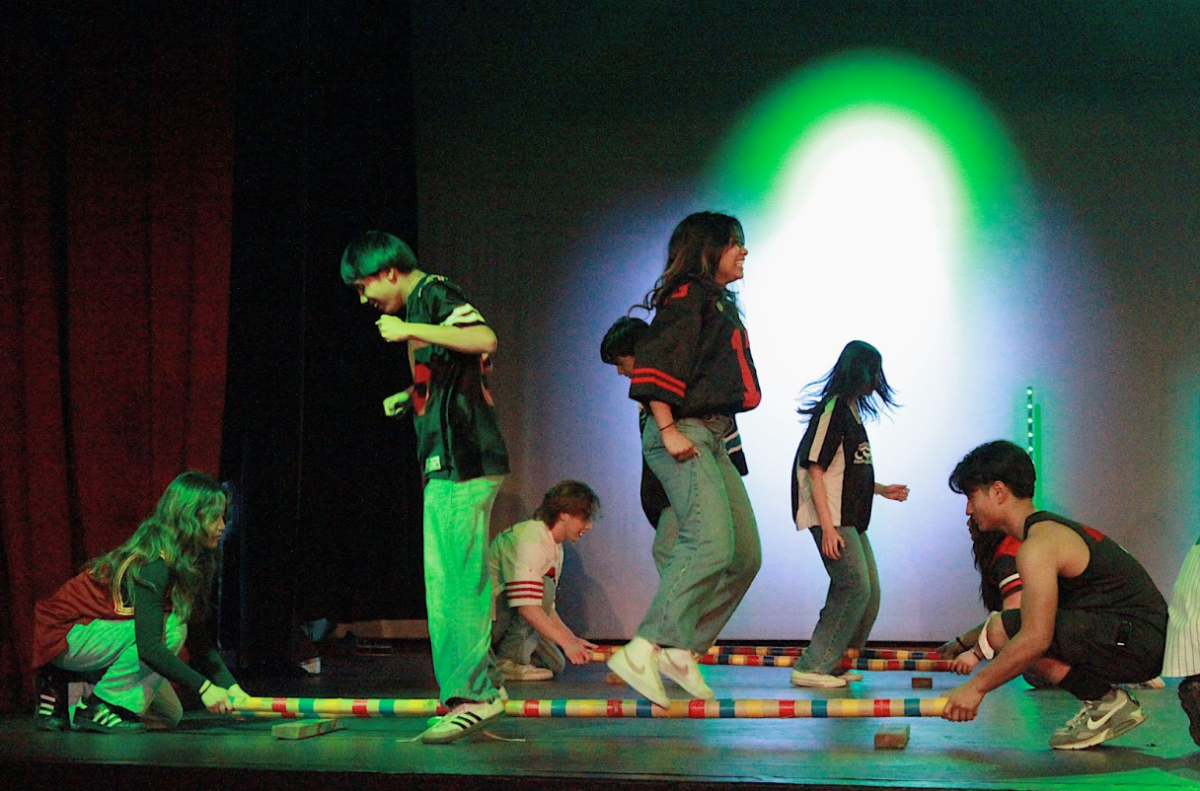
{"type": "Point", "coordinates": [1090, 615]}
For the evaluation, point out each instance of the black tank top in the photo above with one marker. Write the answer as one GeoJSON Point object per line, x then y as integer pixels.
{"type": "Point", "coordinates": [1113, 579]}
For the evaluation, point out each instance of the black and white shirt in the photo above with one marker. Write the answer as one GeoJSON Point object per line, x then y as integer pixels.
{"type": "Point", "coordinates": [836, 441]}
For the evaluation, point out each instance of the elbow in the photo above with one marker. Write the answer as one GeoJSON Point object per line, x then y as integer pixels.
{"type": "Point", "coordinates": [486, 341]}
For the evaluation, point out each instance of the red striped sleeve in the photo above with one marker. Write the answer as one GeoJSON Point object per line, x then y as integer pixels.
{"type": "Point", "coordinates": [657, 378]}
{"type": "Point", "coordinates": [522, 592]}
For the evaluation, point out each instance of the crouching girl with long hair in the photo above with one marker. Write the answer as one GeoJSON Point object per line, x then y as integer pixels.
{"type": "Point", "coordinates": [123, 620]}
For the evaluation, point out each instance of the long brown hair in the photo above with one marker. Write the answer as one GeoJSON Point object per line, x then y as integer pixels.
{"type": "Point", "coordinates": [177, 532]}
{"type": "Point", "coordinates": [693, 254]}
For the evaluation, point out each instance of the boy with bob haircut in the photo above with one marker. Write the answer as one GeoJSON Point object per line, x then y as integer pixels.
{"type": "Point", "coordinates": [463, 458]}
{"type": "Point", "coordinates": [1090, 616]}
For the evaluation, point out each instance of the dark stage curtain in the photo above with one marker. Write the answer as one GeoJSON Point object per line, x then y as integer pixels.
{"type": "Point", "coordinates": [115, 214]}
{"type": "Point", "coordinates": [328, 517]}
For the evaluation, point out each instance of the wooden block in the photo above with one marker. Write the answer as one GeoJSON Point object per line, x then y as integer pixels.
{"type": "Point", "coordinates": [891, 737]}
{"type": "Point", "coordinates": [303, 729]}
{"type": "Point", "coordinates": [614, 679]}
{"type": "Point", "coordinates": [922, 682]}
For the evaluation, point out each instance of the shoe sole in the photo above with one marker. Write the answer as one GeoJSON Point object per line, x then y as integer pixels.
{"type": "Point", "coordinates": [91, 727]}
{"type": "Point", "coordinates": [453, 736]}
{"type": "Point", "coordinates": [619, 665]}
{"type": "Point", "coordinates": [52, 724]}
{"type": "Point", "coordinates": [1108, 734]}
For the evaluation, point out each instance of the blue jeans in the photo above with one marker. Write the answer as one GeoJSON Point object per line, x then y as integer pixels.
{"type": "Point", "coordinates": [514, 638]}
{"type": "Point", "coordinates": [850, 606]}
{"type": "Point", "coordinates": [665, 533]}
{"type": "Point", "coordinates": [458, 586]}
{"type": "Point", "coordinates": [716, 554]}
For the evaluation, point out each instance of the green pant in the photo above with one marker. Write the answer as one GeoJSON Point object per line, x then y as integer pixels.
{"type": "Point", "coordinates": [458, 587]}
{"type": "Point", "coordinates": [108, 648]}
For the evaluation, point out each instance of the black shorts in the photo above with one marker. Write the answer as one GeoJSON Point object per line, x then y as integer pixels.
{"type": "Point", "coordinates": [1110, 645]}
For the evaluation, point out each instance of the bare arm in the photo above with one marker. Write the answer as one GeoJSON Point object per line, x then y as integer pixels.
{"type": "Point", "coordinates": [831, 541]}
{"type": "Point", "coordinates": [678, 445]}
{"type": "Point", "coordinates": [475, 339]}
{"type": "Point", "coordinates": [892, 491]}
{"type": "Point", "coordinates": [552, 627]}
{"type": "Point", "coordinates": [1038, 561]}
{"type": "Point", "coordinates": [960, 648]}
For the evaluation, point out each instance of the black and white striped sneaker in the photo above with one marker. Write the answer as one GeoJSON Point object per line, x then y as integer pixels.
{"type": "Point", "coordinates": [51, 714]}
{"type": "Point", "coordinates": [463, 719]}
{"type": "Point", "coordinates": [94, 715]}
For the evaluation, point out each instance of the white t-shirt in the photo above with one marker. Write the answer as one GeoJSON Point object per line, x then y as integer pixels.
{"type": "Point", "coordinates": [523, 558]}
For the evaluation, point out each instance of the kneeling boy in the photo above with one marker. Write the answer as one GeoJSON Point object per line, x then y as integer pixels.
{"type": "Point", "coordinates": [526, 562]}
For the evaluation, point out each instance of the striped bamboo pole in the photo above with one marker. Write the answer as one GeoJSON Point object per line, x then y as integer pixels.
{"type": "Point", "coordinates": [919, 665]}
{"type": "Point", "coordinates": [607, 709]}
{"type": "Point", "coordinates": [793, 650]}
{"type": "Point", "coordinates": [744, 660]}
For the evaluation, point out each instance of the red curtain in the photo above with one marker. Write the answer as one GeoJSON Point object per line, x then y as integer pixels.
{"type": "Point", "coordinates": [116, 180]}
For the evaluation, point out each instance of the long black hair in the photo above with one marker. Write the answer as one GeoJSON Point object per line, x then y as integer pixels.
{"type": "Point", "coordinates": [857, 375]}
{"type": "Point", "coordinates": [984, 544]}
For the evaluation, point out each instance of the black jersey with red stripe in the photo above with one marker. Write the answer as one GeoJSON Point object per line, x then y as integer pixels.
{"type": "Point", "coordinates": [696, 356]}
{"type": "Point", "coordinates": [1003, 571]}
{"type": "Point", "coordinates": [458, 433]}
{"type": "Point", "coordinates": [1113, 580]}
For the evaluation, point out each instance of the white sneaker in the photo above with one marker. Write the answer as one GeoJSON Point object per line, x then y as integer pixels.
{"type": "Point", "coordinates": [1098, 721]}
{"type": "Point", "coordinates": [463, 719]}
{"type": "Point", "coordinates": [515, 671]}
{"type": "Point", "coordinates": [679, 665]}
{"type": "Point", "coordinates": [637, 665]}
{"type": "Point", "coordinates": [817, 680]}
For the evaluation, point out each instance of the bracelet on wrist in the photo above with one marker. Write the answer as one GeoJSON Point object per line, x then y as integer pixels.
{"type": "Point", "coordinates": [958, 639]}
{"type": "Point", "coordinates": [664, 428]}
{"type": "Point", "coordinates": [204, 687]}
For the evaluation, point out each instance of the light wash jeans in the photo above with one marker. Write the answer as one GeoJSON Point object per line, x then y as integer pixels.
{"type": "Point", "coordinates": [514, 638]}
{"type": "Point", "coordinates": [109, 647]}
{"type": "Point", "coordinates": [716, 553]}
{"type": "Point", "coordinates": [850, 606]}
{"type": "Point", "coordinates": [665, 533]}
{"type": "Point", "coordinates": [458, 586]}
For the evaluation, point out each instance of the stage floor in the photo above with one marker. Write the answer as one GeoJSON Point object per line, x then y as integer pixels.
{"type": "Point", "coordinates": [1005, 748]}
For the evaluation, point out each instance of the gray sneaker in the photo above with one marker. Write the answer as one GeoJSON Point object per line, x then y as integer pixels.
{"type": "Point", "coordinates": [1098, 721]}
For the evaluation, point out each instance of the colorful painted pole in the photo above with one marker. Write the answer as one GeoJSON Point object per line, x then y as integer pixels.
{"type": "Point", "coordinates": [745, 660]}
{"type": "Point", "coordinates": [792, 650]}
{"type": "Point", "coordinates": [919, 665]}
{"type": "Point", "coordinates": [607, 709]}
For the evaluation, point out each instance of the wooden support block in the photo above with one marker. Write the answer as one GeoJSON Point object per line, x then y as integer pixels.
{"type": "Point", "coordinates": [303, 729]}
{"type": "Point", "coordinates": [922, 682]}
{"type": "Point", "coordinates": [614, 679]}
{"type": "Point", "coordinates": [891, 737]}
